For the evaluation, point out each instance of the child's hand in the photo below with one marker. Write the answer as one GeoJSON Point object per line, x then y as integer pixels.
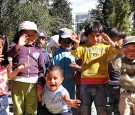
{"type": "Point", "coordinates": [75, 66]}
{"type": "Point", "coordinates": [1, 57]}
{"type": "Point", "coordinates": [22, 67]}
{"type": "Point", "coordinates": [74, 103]}
{"type": "Point", "coordinates": [75, 38]}
{"type": "Point", "coordinates": [39, 89]}
{"type": "Point", "coordinates": [105, 37]}
{"type": "Point", "coordinates": [23, 40]}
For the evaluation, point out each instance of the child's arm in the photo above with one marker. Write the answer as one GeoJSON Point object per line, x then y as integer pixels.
{"type": "Point", "coordinates": [39, 93]}
{"type": "Point", "coordinates": [76, 39]}
{"type": "Point", "coordinates": [17, 70]}
{"type": "Point", "coordinates": [71, 102]}
{"type": "Point", "coordinates": [109, 41]}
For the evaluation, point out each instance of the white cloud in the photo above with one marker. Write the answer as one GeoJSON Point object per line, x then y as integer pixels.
{"type": "Point", "coordinates": [82, 5]}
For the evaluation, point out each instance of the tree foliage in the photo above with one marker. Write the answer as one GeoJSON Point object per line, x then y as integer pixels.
{"type": "Point", "coordinates": [12, 12]}
{"type": "Point", "coordinates": [113, 13]}
{"type": "Point", "coordinates": [60, 9]}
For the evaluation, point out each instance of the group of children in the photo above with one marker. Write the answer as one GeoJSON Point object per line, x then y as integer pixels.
{"type": "Point", "coordinates": [35, 80]}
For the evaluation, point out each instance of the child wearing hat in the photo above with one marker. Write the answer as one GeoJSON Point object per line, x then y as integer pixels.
{"type": "Point", "coordinates": [23, 50]}
{"type": "Point", "coordinates": [126, 65]}
{"type": "Point", "coordinates": [63, 58]}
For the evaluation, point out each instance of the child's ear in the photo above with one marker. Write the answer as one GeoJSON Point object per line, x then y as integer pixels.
{"type": "Point", "coordinates": [62, 78]}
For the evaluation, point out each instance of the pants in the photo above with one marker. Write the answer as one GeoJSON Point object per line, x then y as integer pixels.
{"type": "Point", "coordinates": [4, 109]}
{"type": "Point", "coordinates": [127, 103]}
{"type": "Point", "coordinates": [90, 93]}
{"type": "Point", "coordinates": [46, 112]}
{"type": "Point", "coordinates": [24, 98]}
{"type": "Point", "coordinates": [113, 95]}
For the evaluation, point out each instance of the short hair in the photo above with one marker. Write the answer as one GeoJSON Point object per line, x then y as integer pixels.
{"type": "Point", "coordinates": [93, 27]}
{"type": "Point", "coordinates": [55, 68]}
{"type": "Point", "coordinates": [117, 32]}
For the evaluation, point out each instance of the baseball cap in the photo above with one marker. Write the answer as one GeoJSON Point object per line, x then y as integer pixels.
{"type": "Point", "coordinates": [53, 42]}
{"type": "Point", "coordinates": [129, 40]}
{"type": "Point", "coordinates": [65, 33]}
{"type": "Point", "coordinates": [27, 25]}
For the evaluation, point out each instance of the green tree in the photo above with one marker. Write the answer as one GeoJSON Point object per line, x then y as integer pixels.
{"type": "Point", "coordinates": [113, 13]}
{"type": "Point", "coordinates": [60, 9]}
{"type": "Point", "coordinates": [14, 12]}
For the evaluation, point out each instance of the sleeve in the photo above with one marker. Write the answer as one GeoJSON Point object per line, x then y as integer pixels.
{"type": "Point", "coordinates": [41, 65]}
{"type": "Point", "coordinates": [79, 52]}
{"type": "Point", "coordinates": [12, 50]}
{"type": "Point", "coordinates": [117, 62]}
{"type": "Point", "coordinates": [55, 59]}
{"type": "Point", "coordinates": [64, 92]}
{"type": "Point", "coordinates": [111, 52]}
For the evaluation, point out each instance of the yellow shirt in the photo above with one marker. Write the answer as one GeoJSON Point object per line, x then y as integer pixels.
{"type": "Point", "coordinates": [94, 62]}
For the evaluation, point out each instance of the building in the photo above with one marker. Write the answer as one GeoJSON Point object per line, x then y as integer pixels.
{"type": "Point", "coordinates": [79, 18]}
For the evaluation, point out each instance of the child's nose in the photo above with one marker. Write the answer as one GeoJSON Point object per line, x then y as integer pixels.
{"type": "Point", "coordinates": [52, 80]}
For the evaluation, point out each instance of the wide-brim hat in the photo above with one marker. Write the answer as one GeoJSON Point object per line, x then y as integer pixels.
{"type": "Point", "coordinates": [27, 25]}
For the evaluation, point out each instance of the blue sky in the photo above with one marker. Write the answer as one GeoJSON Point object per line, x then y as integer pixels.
{"type": "Point", "coordinates": [82, 5]}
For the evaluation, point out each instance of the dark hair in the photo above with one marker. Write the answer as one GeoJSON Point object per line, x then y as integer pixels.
{"type": "Point", "coordinates": [5, 44]}
{"type": "Point", "coordinates": [83, 39]}
{"type": "Point", "coordinates": [93, 27]}
{"type": "Point", "coordinates": [17, 36]}
{"type": "Point", "coordinates": [54, 68]}
{"type": "Point", "coordinates": [38, 44]}
{"type": "Point", "coordinates": [117, 32]}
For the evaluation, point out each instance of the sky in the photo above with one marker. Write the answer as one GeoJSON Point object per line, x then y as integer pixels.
{"type": "Point", "coordinates": [80, 6]}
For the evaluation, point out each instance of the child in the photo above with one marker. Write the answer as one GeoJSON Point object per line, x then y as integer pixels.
{"type": "Point", "coordinates": [94, 76]}
{"type": "Point", "coordinates": [63, 58]}
{"type": "Point", "coordinates": [113, 87]}
{"type": "Point", "coordinates": [126, 65]}
{"type": "Point", "coordinates": [55, 96]}
{"type": "Point", "coordinates": [4, 75]}
{"type": "Point", "coordinates": [41, 42]}
{"type": "Point", "coordinates": [22, 51]}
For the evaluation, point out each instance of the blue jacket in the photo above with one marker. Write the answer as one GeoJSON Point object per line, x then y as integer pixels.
{"type": "Point", "coordinates": [63, 58]}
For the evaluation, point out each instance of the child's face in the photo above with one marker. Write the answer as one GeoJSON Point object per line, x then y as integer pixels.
{"type": "Point", "coordinates": [94, 38]}
{"type": "Point", "coordinates": [1, 47]}
{"type": "Point", "coordinates": [129, 51]}
{"type": "Point", "coordinates": [118, 40]}
{"type": "Point", "coordinates": [66, 43]}
{"type": "Point", "coordinates": [53, 80]}
{"type": "Point", "coordinates": [42, 41]}
{"type": "Point", "coordinates": [31, 36]}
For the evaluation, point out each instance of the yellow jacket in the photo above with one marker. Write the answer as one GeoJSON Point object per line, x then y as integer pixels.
{"type": "Point", "coordinates": [94, 62]}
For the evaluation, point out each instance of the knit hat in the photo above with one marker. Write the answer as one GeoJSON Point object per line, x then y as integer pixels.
{"type": "Point", "coordinates": [129, 40]}
{"type": "Point", "coordinates": [27, 25]}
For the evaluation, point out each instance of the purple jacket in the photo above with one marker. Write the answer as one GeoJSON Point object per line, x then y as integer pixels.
{"type": "Point", "coordinates": [30, 55]}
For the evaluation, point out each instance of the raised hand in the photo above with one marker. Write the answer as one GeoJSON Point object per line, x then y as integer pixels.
{"type": "Point", "coordinates": [23, 40]}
